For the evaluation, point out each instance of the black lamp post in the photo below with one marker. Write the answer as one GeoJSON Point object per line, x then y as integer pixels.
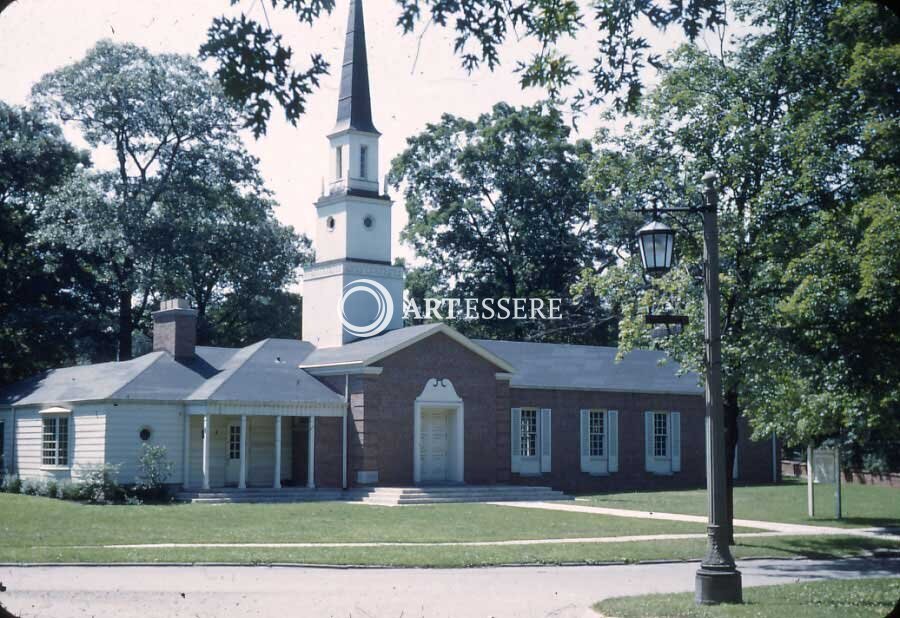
{"type": "Point", "coordinates": [717, 579]}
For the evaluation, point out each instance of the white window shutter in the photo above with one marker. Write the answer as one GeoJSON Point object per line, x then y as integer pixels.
{"type": "Point", "coordinates": [545, 439]}
{"type": "Point", "coordinates": [648, 441]}
{"type": "Point", "coordinates": [585, 440]}
{"type": "Point", "coordinates": [675, 433]}
{"type": "Point", "coordinates": [612, 437]}
{"type": "Point", "coordinates": [515, 438]}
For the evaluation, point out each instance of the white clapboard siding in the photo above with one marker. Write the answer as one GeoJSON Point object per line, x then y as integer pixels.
{"type": "Point", "coordinates": [87, 429]}
{"type": "Point", "coordinates": [261, 447]}
{"type": "Point", "coordinates": [123, 442]}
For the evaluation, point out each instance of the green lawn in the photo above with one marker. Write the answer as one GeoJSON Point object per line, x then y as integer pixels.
{"type": "Point", "coordinates": [455, 556]}
{"type": "Point", "coordinates": [28, 521]}
{"type": "Point", "coordinates": [44, 530]}
{"type": "Point", "coordinates": [845, 598]}
{"type": "Point", "coordinates": [863, 505]}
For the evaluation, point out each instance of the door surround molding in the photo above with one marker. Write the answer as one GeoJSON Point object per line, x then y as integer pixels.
{"type": "Point", "coordinates": [439, 393]}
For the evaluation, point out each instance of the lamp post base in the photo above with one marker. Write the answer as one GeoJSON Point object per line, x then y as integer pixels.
{"type": "Point", "coordinates": [714, 585]}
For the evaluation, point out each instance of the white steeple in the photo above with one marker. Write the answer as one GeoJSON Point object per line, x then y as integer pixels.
{"type": "Point", "coordinates": [353, 229]}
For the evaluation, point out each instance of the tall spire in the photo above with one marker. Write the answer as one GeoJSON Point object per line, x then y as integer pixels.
{"type": "Point", "coordinates": [354, 105]}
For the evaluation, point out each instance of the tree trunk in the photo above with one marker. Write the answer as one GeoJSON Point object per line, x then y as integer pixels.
{"type": "Point", "coordinates": [732, 413]}
{"type": "Point", "coordinates": [126, 323]}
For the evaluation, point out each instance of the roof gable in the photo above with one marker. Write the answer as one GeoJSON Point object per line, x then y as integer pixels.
{"type": "Point", "coordinates": [366, 352]}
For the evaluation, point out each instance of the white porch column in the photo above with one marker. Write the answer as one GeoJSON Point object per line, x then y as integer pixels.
{"type": "Point", "coordinates": [344, 450]}
{"type": "Point", "coordinates": [186, 455]}
{"type": "Point", "coordinates": [206, 428]}
{"type": "Point", "coordinates": [242, 483]}
{"type": "Point", "coordinates": [311, 454]}
{"type": "Point", "coordinates": [277, 483]}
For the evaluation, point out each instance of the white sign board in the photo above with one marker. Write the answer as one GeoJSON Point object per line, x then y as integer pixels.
{"type": "Point", "coordinates": [823, 465]}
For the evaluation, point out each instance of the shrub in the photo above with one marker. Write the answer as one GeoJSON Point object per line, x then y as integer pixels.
{"type": "Point", "coordinates": [133, 500]}
{"type": "Point", "coordinates": [875, 463]}
{"type": "Point", "coordinates": [99, 484]}
{"type": "Point", "coordinates": [49, 488]}
{"type": "Point", "coordinates": [68, 490]}
{"type": "Point", "coordinates": [11, 483]}
{"type": "Point", "coordinates": [154, 469]}
{"type": "Point", "coordinates": [32, 487]}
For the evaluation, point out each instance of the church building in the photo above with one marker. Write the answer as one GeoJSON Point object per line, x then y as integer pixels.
{"type": "Point", "coordinates": [363, 400]}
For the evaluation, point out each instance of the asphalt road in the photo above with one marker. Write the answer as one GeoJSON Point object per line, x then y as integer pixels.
{"type": "Point", "coordinates": [81, 591]}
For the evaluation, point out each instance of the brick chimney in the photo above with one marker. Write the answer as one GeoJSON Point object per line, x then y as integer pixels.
{"type": "Point", "coordinates": [175, 328]}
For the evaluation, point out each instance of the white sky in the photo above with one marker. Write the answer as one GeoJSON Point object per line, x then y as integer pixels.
{"type": "Point", "coordinates": [38, 36]}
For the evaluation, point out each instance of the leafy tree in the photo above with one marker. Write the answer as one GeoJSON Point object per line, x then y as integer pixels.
{"type": "Point", "coordinates": [183, 193]}
{"type": "Point", "coordinates": [497, 209]}
{"type": "Point", "coordinates": [257, 68]}
{"type": "Point", "coordinates": [790, 120]}
{"type": "Point", "coordinates": [43, 288]}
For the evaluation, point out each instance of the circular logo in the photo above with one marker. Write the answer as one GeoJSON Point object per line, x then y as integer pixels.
{"type": "Point", "coordinates": [383, 314]}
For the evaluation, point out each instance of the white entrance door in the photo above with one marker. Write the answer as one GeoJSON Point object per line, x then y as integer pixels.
{"type": "Point", "coordinates": [434, 445]}
{"type": "Point", "coordinates": [233, 454]}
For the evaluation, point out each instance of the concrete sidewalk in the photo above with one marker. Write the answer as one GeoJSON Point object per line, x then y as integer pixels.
{"type": "Point", "coordinates": [521, 592]}
{"type": "Point", "coordinates": [889, 534]}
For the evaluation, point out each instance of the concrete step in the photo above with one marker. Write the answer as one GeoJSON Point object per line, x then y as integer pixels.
{"type": "Point", "coordinates": [385, 496]}
{"type": "Point", "coordinates": [397, 496]}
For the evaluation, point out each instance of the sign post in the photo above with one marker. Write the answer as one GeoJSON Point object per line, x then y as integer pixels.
{"type": "Point", "coordinates": [810, 480]}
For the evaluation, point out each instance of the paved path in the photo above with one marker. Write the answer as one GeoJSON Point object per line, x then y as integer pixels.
{"type": "Point", "coordinates": [772, 526]}
{"type": "Point", "coordinates": [590, 539]}
{"type": "Point", "coordinates": [522, 592]}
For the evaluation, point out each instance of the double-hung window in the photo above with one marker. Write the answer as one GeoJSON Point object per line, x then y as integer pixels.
{"type": "Point", "coordinates": [596, 427]}
{"type": "Point", "coordinates": [599, 441]}
{"type": "Point", "coordinates": [529, 433]}
{"type": "Point", "coordinates": [530, 440]}
{"type": "Point", "coordinates": [660, 434]}
{"type": "Point", "coordinates": [55, 443]}
{"type": "Point", "coordinates": [234, 441]}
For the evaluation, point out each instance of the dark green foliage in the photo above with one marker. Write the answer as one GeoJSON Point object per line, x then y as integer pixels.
{"type": "Point", "coordinates": [497, 209]}
{"type": "Point", "coordinates": [184, 212]}
{"type": "Point", "coordinates": [801, 122]}
{"type": "Point", "coordinates": [45, 288]}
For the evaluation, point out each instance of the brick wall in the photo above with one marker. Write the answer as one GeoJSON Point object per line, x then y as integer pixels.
{"type": "Point", "coordinates": [390, 403]}
{"type": "Point", "coordinates": [565, 433]}
{"type": "Point", "coordinates": [380, 430]}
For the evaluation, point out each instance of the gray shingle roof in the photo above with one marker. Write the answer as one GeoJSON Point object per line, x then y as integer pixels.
{"type": "Point", "coordinates": [267, 371]}
{"type": "Point", "coordinates": [364, 349]}
{"type": "Point", "coordinates": [253, 373]}
{"type": "Point", "coordinates": [563, 366]}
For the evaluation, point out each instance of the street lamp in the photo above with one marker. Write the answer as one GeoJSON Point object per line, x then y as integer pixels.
{"type": "Point", "coordinates": [717, 579]}
{"type": "Point", "coordinates": [657, 241]}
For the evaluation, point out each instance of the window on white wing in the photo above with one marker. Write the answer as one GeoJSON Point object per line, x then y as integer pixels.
{"type": "Point", "coordinates": [597, 429]}
{"type": "Point", "coordinates": [529, 433]}
{"type": "Point", "coordinates": [339, 162]}
{"type": "Point", "coordinates": [363, 161]}
{"type": "Point", "coordinates": [55, 444]}
{"type": "Point", "coordinates": [660, 434]}
{"type": "Point", "coordinates": [234, 442]}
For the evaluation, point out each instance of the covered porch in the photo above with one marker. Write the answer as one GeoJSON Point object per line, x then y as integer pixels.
{"type": "Point", "coordinates": [261, 447]}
